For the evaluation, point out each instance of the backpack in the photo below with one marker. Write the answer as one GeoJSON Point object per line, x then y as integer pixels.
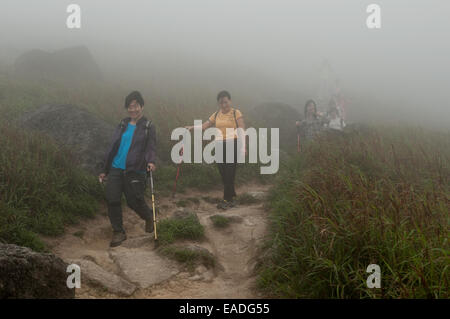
{"type": "Point", "coordinates": [234, 114]}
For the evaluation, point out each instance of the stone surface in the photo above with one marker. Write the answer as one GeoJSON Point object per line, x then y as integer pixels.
{"type": "Point", "coordinates": [200, 269]}
{"type": "Point", "coordinates": [258, 195]}
{"type": "Point", "coordinates": [100, 277]}
{"type": "Point", "coordinates": [73, 65]}
{"type": "Point", "coordinates": [84, 133]}
{"type": "Point", "coordinates": [143, 267]}
{"type": "Point", "coordinates": [208, 276]}
{"type": "Point", "coordinates": [141, 241]}
{"type": "Point", "coordinates": [195, 278]}
{"type": "Point", "coordinates": [28, 274]}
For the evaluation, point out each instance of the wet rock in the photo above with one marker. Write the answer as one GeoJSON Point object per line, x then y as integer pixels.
{"type": "Point", "coordinates": [71, 126]}
{"type": "Point", "coordinates": [143, 267]}
{"type": "Point", "coordinates": [200, 269]}
{"type": "Point", "coordinates": [195, 278]}
{"type": "Point", "coordinates": [137, 242]}
{"type": "Point", "coordinates": [70, 65]}
{"type": "Point", "coordinates": [208, 276]}
{"type": "Point", "coordinates": [258, 195]}
{"type": "Point", "coordinates": [28, 274]}
{"type": "Point", "coordinates": [100, 277]}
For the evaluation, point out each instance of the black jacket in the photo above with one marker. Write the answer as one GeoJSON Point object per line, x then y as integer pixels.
{"type": "Point", "coordinates": [137, 157]}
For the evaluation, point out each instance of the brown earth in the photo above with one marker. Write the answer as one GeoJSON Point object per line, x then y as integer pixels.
{"type": "Point", "coordinates": [136, 270]}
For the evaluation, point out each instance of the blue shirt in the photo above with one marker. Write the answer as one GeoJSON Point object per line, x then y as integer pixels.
{"type": "Point", "coordinates": [120, 159]}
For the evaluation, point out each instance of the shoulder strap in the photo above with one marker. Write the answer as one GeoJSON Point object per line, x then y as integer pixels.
{"type": "Point", "coordinates": [122, 126]}
{"type": "Point", "coordinates": [234, 114]}
{"type": "Point", "coordinates": [148, 124]}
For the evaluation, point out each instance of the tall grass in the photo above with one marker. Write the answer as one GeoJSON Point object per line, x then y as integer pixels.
{"type": "Point", "coordinates": [41, 188]}
{"type": "Point", "coordinates": [373, 196]}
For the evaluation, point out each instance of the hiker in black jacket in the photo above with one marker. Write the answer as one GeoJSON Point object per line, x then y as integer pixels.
{"type": "Point", "coordinates": [131, 154]}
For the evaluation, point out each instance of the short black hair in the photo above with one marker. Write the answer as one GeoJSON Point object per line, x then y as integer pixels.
{"type": "Point", "coordinates": [135, 95]}
{"type": "Point", "coordinates": [223, 94]}
{"type": "Point", "coordinates": [315, 107]}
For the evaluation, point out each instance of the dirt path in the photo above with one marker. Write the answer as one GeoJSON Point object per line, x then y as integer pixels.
{"type": "Point", "coordinates": [134, 270]}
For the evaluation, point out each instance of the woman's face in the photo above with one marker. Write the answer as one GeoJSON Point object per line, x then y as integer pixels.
{"type": "Point", "coordinates": [224, 103]}
{"type": "Point", "coordinates": [135, 110]}
{"type": "Point", "coordinates": [310, 109]}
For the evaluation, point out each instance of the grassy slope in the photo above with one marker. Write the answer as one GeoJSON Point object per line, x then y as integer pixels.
{"type": "Point", "coordinates": [367, 196]}
{"type": "Point", "coordinates": [42, 190]}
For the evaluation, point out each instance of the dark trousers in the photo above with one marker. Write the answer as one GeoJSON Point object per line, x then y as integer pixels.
{"type": "Point", "coordinates": [133, 185]}
{"type": "Point", "coordinates": [228, 172]}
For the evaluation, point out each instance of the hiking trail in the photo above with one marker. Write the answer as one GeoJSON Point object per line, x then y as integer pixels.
{"type": "Point", "coordinates": [136, 270]}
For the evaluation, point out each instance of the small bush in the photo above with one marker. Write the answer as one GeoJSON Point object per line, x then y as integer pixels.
{"type": "Point", "coordinates": [220, 221]}
{"type": "Point", "coordinates": [188, 256]}
{"type": "Point", "coordinates": [172, 229]}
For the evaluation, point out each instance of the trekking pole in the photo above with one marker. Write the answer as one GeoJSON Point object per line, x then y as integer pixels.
{"type": "Point", "coordinates": [178, 172]}
{"type": "Point", "coordinates": [153, 206]}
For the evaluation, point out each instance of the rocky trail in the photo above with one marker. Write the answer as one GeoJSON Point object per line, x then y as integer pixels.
{"type": "Point", "coordinates": [137, 270]}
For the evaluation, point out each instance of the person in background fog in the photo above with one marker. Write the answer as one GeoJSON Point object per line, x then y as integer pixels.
{"type": "Point", "coordinates": [311, 125]}
{"type": "Point", "coordinates": [335, 121]}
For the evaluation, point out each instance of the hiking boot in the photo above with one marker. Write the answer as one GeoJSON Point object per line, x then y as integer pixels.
{"type": "Point", "coordinates": [117, 239]}
{"type": "Point", "coordinates": [149, 227]}
{"type": "Point", "coordinates": [223, 204]}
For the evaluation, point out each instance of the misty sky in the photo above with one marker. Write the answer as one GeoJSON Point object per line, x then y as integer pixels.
{"type": "Point", "coordinates": [284, 41]}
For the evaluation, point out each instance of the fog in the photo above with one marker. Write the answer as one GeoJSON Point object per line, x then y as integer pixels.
{"type": "Point", "coordinates": [260, 50]}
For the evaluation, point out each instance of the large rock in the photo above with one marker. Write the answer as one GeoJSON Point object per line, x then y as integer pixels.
{"type": "Point", "coordinates": [276, 115]}
{"type": "Point", "coordinates": [96, 275]}
{"type": "Point", "coordinates": [72, 65]}
{"type": "Point", "coordinates": [144, 267]}
{"type": "Point", "coordinates": [85, 133]}
{"type": "Point", "coordinates": [28, 274]}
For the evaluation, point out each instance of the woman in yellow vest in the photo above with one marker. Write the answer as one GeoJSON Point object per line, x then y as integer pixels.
{"type": "Point", "coordinates": [226, 117]}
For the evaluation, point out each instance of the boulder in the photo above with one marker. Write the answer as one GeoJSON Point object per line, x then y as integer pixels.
{"type": "Point", "coordinates": [84, 133]}
{"type": "Point", "coordinates": [28, 274]}
{"type": "Point", "coordinates": [143, 267]}
{"type": "Point", "coordinates": [276, 115]}
{"type": "Point", "coordinates": [97, 276]}
{"type": "Point", "coordinates": [71, 65]}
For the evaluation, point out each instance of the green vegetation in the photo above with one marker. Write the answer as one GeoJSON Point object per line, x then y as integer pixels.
{"type": "Point", "coordinates": [220, 221]}
{"type": "Point", "coordinates": [372, 196]}
{"type": "Point", "coordinates": [172, 229]}
{"type": "Point", "coordinates": [188, 256]}
{"type": "Point", "coordinates": [41, 188]}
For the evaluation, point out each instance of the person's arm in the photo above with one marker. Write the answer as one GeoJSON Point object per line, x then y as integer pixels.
{"type": "Point", "coordinates": [204, 126]}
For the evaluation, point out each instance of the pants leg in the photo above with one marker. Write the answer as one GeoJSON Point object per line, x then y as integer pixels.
{"type": "Point", "coordinates": [113, 194]}
{"type": "Point", "coordinates": [134, 193]}
{"type": "Point", "coordinates": [229, 174]}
